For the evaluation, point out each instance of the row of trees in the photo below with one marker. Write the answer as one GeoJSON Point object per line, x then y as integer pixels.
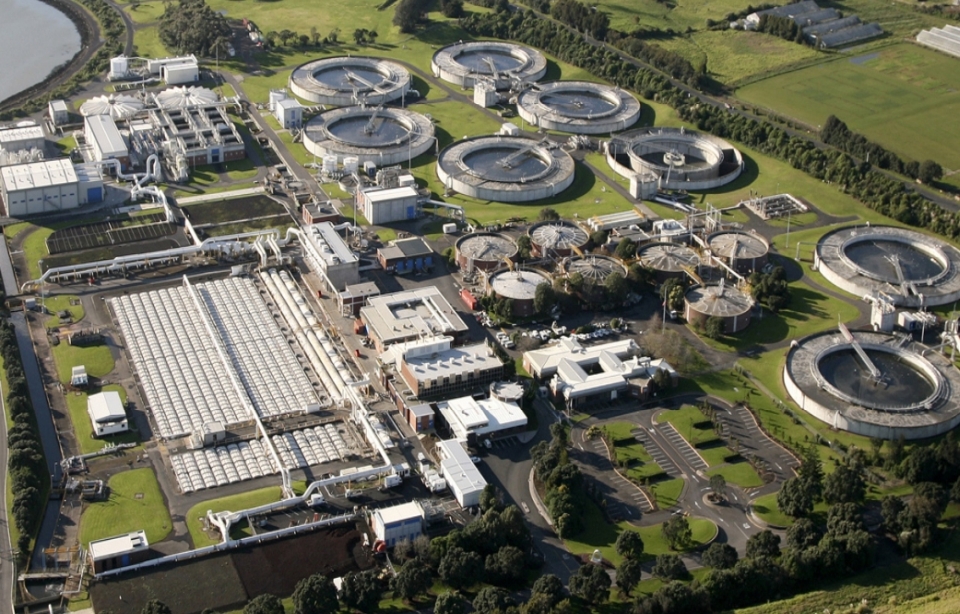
{"type": "Point", "coordinates": [25, 460]}
{"type": "Point", "coordinates": [784, 27]}
{"type": "Point", "coordinates": [562, 481]}
{"type": "Point", "coordinates": [836, 133]}
{"type": "Point", "coordinates": [874, 189]}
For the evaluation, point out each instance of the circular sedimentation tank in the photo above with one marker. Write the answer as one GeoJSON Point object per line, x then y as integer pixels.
{"type": "Point", "coordinates": [520, 286]}
{"type": "Point", "coordinates": [667, 260]}
{"type": "Point", "coordinates": [594, 269]}
{"type": "Point", "coordinates": [464, 64]}
{"type": "Point", "coordinates": [910, 267]}
{"type": "Point", "coordinates": [720, 301]}
{"type": "Point", "coordinates": [117, 106]}
{"type": "Point", "coordinates": [484, 250]}
{"type": "Point", "coordinates": [381, 135]}
{"type": "Point", "coordinates": [507, 169]}
{"type": "Point", "coordinates": [743, 252]}
{"type": "Point", "coordinates": [680, 159]}
{"type": "Point", "coordinates": [557, 238]}
{"type": "Point", "coordinates": [580, 107]}
{"type": "Point", "coordinates": [186, 96]}
{"type": "Point", "coordinates": [898, 391]}
{"type": "Point", "coordinates": [344, 81]}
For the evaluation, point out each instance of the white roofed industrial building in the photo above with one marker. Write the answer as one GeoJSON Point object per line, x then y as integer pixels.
{"type": "Point", "coordinates": [397, 523]}
{"type": "Point", "coordinates": [21, 137]}
{"type": "Point", "coordinates": [381, 206]}
{"type": "Point", "coordinates": [433, 367]}
{"type": "Point", "coordinates": [330, 253]}
{"type": "Point", "coordinates": [106, 413]}
{"type": "Point", "coordinates": [467, 416]}
{"type": "Point", "coordinates": [543, 363]}
{"type": "Point", "coordinates": [119, 551]}
{"type": "Point", "coordinates": [104, 139]}
{"type": "Point", "coordinates": [463, 477]}
{"type": "Point", "coordinates": [411, 314]}
{"type": "Point", "coordinates": [48, 186]}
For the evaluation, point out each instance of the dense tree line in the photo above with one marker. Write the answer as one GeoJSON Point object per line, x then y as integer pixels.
{"type": "Point", "coordinates": [583, 18]}
{"type": "Point", "coordinates": [836, 133]}
{"type": "Point", "coordinates": [784, 27]}
{"type": "Point", "coordinates": [191, 26]}
{"type": "Point", "coordinates": [562, 481]}
{"type": "Point", "coordinates": [770, 289]}
{"type": "Point", "coordinates": [25, 461]}
{"type": "Point", "coordinates": [860, 180]}
{"type": "Point", "coordinates": [409, 14]}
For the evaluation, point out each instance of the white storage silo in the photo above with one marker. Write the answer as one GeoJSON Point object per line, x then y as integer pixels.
{"type": "Point", "coordinates": [118, 67]}
{"type": "Point", "coordinates": [329, 164]}
{"type": "Point", "coordinates": [351, 164]}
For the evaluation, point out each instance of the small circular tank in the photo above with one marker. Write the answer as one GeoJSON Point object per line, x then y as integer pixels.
{"type": "Point", "coordinates": [520, 286]}
{"type": "Point", "coordinates": [667, 260]}
{"type": "Point", "coordinates": [484, 250]}
{"type": "Point", "coordinates": [557, 238]}
{"type": "Point", "coordinates": [704, 302]}
{"type": "Point", "coordinates": [744, 252]}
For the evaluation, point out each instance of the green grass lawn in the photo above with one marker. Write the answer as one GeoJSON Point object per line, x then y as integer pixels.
{"type": "Point", "coordinates": [715, 453]}
{"type": "Point", "coordinates": [915, 85]}
{"type": "Point", "coordinates": [147, 43]}
{"type": "Point", "coordinates": [742, 474]}
{"type": "Point", "coordinates": [766, 509]}
{"type": "Point", "coordinates": [82, 429]}
{"type": "Point", "coordinates": [667, 492]}
{"type": "Point", "coordinates": [232, 503]}
{"type": "Point", "coordinates": [61, 302]}
{"type": "Point", "coordinates": [96, 358]}
{"type": "Point", "coordinates": [690, 423]}
{"type": "Point", "coordinates": [640, 466]}
{"type": "Point", "coordinates": [145, 12]}
{"type": "Point", "coordinates": [600, 534]}
{"type": "Point", "coordinates": [135, 503]}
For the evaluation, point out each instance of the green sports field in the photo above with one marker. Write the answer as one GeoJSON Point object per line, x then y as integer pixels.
{"type": "Point", "coordinates": [904, 97]}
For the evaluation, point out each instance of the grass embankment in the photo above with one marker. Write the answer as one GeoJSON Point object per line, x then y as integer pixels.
{"type": "Point", "coordinates": [135, 503]}
{"type": "Point", "coordinates": [63, 302]}
{"type": "Point", "coordinates": [600, 534]}
{"type": "Point", "coordinates": [96, 358]}
{"type": "Point", "coordinates": [82, 430]}
{"type": "Point", "coordinates": [234, 502]}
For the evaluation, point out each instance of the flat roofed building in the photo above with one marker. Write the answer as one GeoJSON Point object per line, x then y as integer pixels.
{"type": "Point", "coordinates": [314, 213]}
{"type": "Point", "coordinates": [463, 477]}
{"type": "Point", "coordinates": [412, 314]}
{"type": "Point", "coordinates": [419, 417]}
{"type": "Point", "coordinates": [406, 255]}
{"type": "Point", "coordinates": [178, 73]}
{"type": "Point", "coordinates": [543, 363]}
{"type": "Point", "coordinates": [120, 551]}
{"type": "Point", "coordinates": [332, 255]}
{"type": "Point", "coordinates": [397, 523]}
{"type": "Point", "coordinates": [78, 377]}
{"type": "Point", "coordinates": [467, 416]}
{"type": "Point", "coordinates": [354, 297]}
{"type": "Point", "coordinates": [48, 186]}
{"type": "Point", "coordinates": [289, 113]}
{"type": "Point", "coordinates": [434, 368]}
{"type": "Point", "coordinates": [381, 206]}
{"type": "Point", "coordinates": [104, 139]}
{"type": "Point", "coordinates": [22, 137]}
{"type": "Point", "coordinates": [59, 113]}
{"type": "Point", "coordinates": [202, 133]}
{"type": "Point", "coordinates": [107, 413]}
{"type": "Point", "coordinates": [612, 379]}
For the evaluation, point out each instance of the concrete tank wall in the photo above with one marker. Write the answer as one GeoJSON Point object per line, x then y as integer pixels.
{"type": "Point", "coordinates": [731, 324]}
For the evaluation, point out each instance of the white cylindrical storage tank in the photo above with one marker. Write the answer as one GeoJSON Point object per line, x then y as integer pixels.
{"type": "Point", "coordinates": [329, 164]}
{"type": "Point", "coordinates": [351, 164]}
{"type": "Point", "coordinates": [276, 96]}
{"type": "Point", "coordinates": [118, 66]}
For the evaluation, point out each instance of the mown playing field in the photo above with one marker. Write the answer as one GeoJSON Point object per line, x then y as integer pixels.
{"type": "Point", "coordinates": [904, 97]}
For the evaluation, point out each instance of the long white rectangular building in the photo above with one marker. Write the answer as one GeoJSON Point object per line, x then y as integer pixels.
{"type": "Point", "coordinates": [462, 475]}
{"type": "Point", "coordinates": [104, 138]}
{"type": "Point", "coordinates": [19, 138]}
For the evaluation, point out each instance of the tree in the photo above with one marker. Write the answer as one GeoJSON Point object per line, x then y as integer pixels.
{"type": "Point", "coordinates": [413, 579]}
{"type": "Point", "coordinates": [264, 604]}
{"type": "Point", "coordinates": [460, 568]}
{"type": "Point", "coordinates": [714, 327]}
{"type": "Point", "coordinates": [449, 603]}
{"type": "Point", "coordinates": [845, 484]}
{"type": "Point", "coordinates": [360, 591]}
{"type": "Point", "coordinates": [811, 472]}
{"type": "Point", "coordinates": [677, 532]}
{"type": "Point", "coordinates": [720, 556]}
{"type": "Point", "coordinates": [155, 606]}
{"type": "Point", "coordinates": [544, 298]}
{"type": "Point", "coordinates": [372, 36]}
{"type": "Point", "coordinates": [671, 291]}
{"type": "Point", "coordinates": [930, 172]}
{"type": "Point", "coordinates": [669, 567]}
{"type": "Point", "coordinates": [286, 36]}
{"type": "Point", "coordinates": [590, 583]}
{"type": "Point", "coordinates": [190, 26]}
{"type": "Point", "coordinates": [315, 36]}
{"type": "Point", "coordinates": [548, 214]}
{"type": "Point", "coordinates": [315, 595]}
{"type": "Point", "coordinates": [452, 8]}
{"type": "Point", "coordinates": [506, 566]}
{"type": "Point", "coordinates": [802, 534]}
{"type": "Point", "coordinates": [616, 288]}
{"type": "Point", "coordinates": [629, 544]}
{"type": "Point", "coordinates": [524, 246]}
{"type": "Point", "coordinates": [626, 249]}
{"type": "Point", "coordinates": [489, 498]}
{"type": "Point", "coordinates": [794, 498]}
{"type": "Point", "coordinates": [491, 600]}
{"type": "Point", "coordinates": [360, 36]}
{"type": "Point", "coordinates": [407, 15]}
{"type": "Point", "coordinates": [598, 237]}
{"type": "Point", "coordinates": [763, 544]}
{"type": "Point", "coordinates": [551, 588]}
{"type": "Point", "coordinates": [891, 507]}
{"type": "Point", "coordinates": [628, 575]}
{"type": "Point", "coordinates": [718, 486]}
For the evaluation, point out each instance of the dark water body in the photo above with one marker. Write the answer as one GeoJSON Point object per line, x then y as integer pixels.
{"type": "Point", "coordinates": [35, 38]}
